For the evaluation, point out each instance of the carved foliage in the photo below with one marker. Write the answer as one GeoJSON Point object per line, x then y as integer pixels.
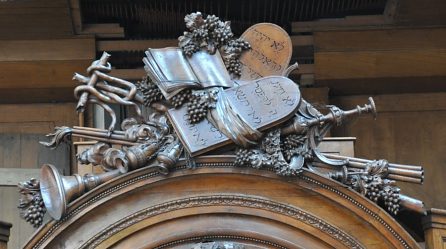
{"type": "Point", "coordinates": [268, 154]}
{"type": "Point", "coordinates": [102, 154]}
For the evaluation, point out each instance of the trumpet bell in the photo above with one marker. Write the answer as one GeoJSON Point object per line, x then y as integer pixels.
{"type": "Point", "coordinates": [53, 193]}
{"type": "Point", "coordinates": [57, 191]}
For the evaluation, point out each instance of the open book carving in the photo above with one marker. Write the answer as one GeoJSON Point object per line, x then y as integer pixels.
{"type": "Point", "coordinates": [173, 71]}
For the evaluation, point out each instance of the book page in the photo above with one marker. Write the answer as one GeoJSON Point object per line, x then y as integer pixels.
{"type": "Point", "coordinates": [170, 69]}
{"type": "Point", "coordinates": [210, 69]}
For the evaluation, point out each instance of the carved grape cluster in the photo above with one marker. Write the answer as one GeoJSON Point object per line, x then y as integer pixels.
{"type": "Point", "coordinates": [211, 22]}
{"type": "Point", "coordinates": [190, 49]}
{"type": "Point", "coordinates": [35, 212]}
{"type": "Point", "coordinates": [151, 92]}
{"type": "Point", "coordinates": [180, 98]}
{"type": "Point", "coordinates": [377, 189]}
{"type": "Point", "coordinates": [238, 45]}
{"type": "Point", "coordinates": [373, 190]}
{"type": "Point", "coordinates": [197, 108]}
{"type": "Point", "coordinates": [220, 32]}
{"type": "Point", "coordinates": [233, 65]}
{"type": "Point", "coordinates": [212, 34]}
{"type": "Point", "coordinates": [231, 55]}
{"type": "Point", "coordinates": [391, 197]}
{"type": "Point", "coordinates": [32, 208]}
{"type": "Point", "coordinates": [243, 157]}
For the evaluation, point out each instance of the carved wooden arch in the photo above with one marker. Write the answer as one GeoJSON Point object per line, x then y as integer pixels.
{"type": "Point", "coordinates": [219, 202]}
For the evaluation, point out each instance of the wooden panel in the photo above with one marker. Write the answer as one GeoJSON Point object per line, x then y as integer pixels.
{"type": "Point", "coordinates": [316, 96]}
{"type": "Point", "coordinates": [36, 95]}
{"type": "Point", "coordinates": [41, 50]}
{"type": "Point", "coordinates": [59, 114]}
{"type": "Point", "coordinates": [415, 12]}
{"type": "Point", "coordinates": [434, 225]}
{"type": "Point", "coordinates": [381, 61]}
{"type": "Point", "coordinates": [35, 20]}
{"type": "Point", "coordinates": [41, 74]}
{"type": "Point", "coordinates": [347, 23]}
{"type": "Point", "coordinates": [409, 129]}
{"type": "Point", "coordinates": [11, 176]}
{"type": "Point", "coordinates": [24, 151]}
{"type": "Point", "coordinates": [42, 70]}
{"type": "Point", "coordinates": [21, 127]}
{"type": "Point", "coordinates": [20, 231]}
{"type": "Point", "coordinates": [399, 102]}
{"type": "Point", "coordinates": [129, 74]}
{"type": "Point", "coordinates": [355, 86]}
{"type": "Point", "coordinates": [392, 39]}
{"type": "Point", "coordinates": [338, 145]}
{"type": "Point", "coordinates": [380, 64]}
{"type": "Point", "coordinates": [301, 40]}
{"type": "Point", "coordinates": [33, 4]}
{"type": "Point", "coordinates": [103, 30]}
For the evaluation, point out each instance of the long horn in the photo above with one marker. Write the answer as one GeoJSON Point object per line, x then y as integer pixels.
{"type": "Point", "coordinates": [57, 191]}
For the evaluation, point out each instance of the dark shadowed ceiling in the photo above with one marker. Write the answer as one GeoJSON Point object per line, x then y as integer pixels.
{"type": "Point", "coordinates": [144, 19]}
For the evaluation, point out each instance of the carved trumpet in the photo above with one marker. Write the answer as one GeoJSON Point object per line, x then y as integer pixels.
{"type": "Point", "coordinates": [57, 191]}
{"type": "Point", "coordinates": [336, 116]}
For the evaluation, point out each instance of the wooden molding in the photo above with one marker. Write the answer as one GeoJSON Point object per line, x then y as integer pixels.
{"type": "Point", "coordinates": [4, 232]}
{"type": "Point", "coordinates": [347, 23]}
{"type": "Point", "coordinates": [104, 30]}
{"type": "Point", "coordinates": [144, 200]}
{"type": "Point", "coordinates": [398, 102]}
{"type": "Point", "coordinates": [434, 225]}
{"type": "Point", "coordinates": [129, 74]}
{"type": "Point", "coordinates": [48, 50]}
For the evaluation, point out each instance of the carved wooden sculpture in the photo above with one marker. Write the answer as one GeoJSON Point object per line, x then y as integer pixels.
{"type": "Point", "coordinates": [210, 97]}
